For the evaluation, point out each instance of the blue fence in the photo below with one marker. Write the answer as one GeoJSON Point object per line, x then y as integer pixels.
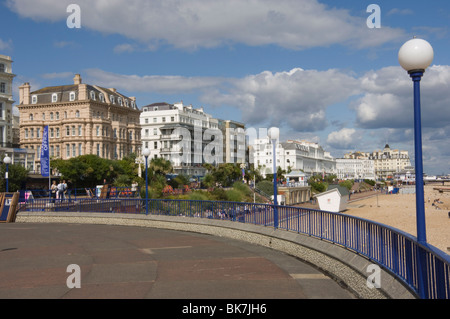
{"type": "Point", "coordinates": [422, 267]}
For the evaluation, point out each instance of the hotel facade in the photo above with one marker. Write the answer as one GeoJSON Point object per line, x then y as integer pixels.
{"type": "Point", "coordinates": [308, 157]}
{"type": "Point", "coordinates": [82, 119]}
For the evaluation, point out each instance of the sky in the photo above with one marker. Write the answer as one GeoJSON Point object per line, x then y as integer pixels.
{"type": "Point", "coordinates": [324, 71]}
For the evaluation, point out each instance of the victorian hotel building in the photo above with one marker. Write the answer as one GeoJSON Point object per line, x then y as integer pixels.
{"type": "Point", "coordinates": [189, 137]}
{"type": "Point", "coordinates": [82, 119]}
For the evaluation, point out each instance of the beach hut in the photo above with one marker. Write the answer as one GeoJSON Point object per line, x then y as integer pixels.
{"type": "Point", "coordinates": [334, 199]}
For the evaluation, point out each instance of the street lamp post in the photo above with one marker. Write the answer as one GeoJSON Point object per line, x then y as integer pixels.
{"type": "Point", "coordinates": [415, 56]}
{"type": "Point", "coordinates": [146, 153]}
{"type": "Point", "coordinates": [7, 161]}
{"type": "Point", "coordinates": [274, 133]}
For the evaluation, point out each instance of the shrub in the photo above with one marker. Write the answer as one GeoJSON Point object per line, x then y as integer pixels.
{"type": "Point", "coordinates": [234, 195]}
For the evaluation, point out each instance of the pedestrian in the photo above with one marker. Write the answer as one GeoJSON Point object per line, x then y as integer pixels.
{"type": "Point", "coordinates": [62, 186]}
{"type": "Point", "coordinates": [54, 189]}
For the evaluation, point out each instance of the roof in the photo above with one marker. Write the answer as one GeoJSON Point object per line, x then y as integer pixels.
{"type": "Point", "coordinates": [342, 190]}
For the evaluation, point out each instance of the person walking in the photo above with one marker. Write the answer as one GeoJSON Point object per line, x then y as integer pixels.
{"type": "Point", "coordinates": [62, 186]}
{"type": "Point", "coordinates": [53, 189]}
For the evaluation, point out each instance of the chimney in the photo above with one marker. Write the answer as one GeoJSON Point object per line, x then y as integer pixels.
{"type": "Point", "coordinates": [77, 79]}
{"type": "Point", "coordinates": [24, 93]}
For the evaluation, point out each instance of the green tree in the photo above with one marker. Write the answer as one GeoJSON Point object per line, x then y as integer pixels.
{"type": "Point", "coordinates": [87, 170]}
{"type": "Point", "coordinates": [17, 177]}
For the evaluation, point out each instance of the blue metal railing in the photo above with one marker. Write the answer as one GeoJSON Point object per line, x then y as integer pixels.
{"type": "Point", "coordinates": [425, 269]}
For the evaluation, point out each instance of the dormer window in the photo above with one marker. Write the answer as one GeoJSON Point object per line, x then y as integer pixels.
{"type": "Point", "coordinates": [72, 96]}
{"type": "Point", "coordinates": [120, 101]}
{"type": "Point", "coordinates": [111, 98]}
{"type": "Point", "coordinates": [54, 97]}
{"type": "Point", "coordinates": [34, 99]}
{"type": "Point", "coordinates": [127, 104]}
{"type": "Point", "coordinates": [102, 97]}
{"type": "Point", "coordinates": [92, 94]}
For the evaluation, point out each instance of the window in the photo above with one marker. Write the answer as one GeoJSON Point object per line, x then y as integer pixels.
{"type": "Point", "coordinates": [155, 131]}
{"type": "Point", "coordinates": [2, 67]}
{"type": "Point", "coordinates": [26, 133]}
{"type": "Point", "coordinates": [172, 118]}
{"type": "Point", "coordinates": [115, 133]}
{"type": "Point", "coordinates": [146, 132]}
{"type": "Point", "coordinates": [67, 130]}
{"type": "Point", "coordinates": [164, 119]}
{"type": "Point", "coordinates": [92, 94]}
{"type": "Point", "coordinates": [102, 97]}
{"type": "Point", "coordinates": [98, 149]}
{"type": "Point", "coordinates": [34, 99]}
{"type": "Point", "coordinates": [77, 114]}
{"type": "Point", "coordinates": [155, 145]}
{"type": "Point", "coordinates": [74, 150]}
{"type": "Point", "coordinates": [72, 96]}
{"type": "Point", "coordinates": [32, 132]}
{"type": "Point", "coordinates": [38, 132]}
{"type": "Point", "coordinates": [120, 101]}
{"type": "Point", "coordinates": [146, 121]}
{"type": "Point", "coordinates": [57, 115]}
{"type": "Point", "coordinates": [73, 130]}
{"type": "Point", "coordinates": [79, 130]}
{"type": "Point", "coordinates": [54, 97]}
{"type": "Point", "coordinates": [31, 117]}
{"type": "Point", "coordinates": [97, 128]}
{"type": "Point", "coordinates": [127, 104]}
{"type": "Point", "coordinates": [57, 150]}
{"type": "Point", "coordinates": [52, 133]}
{"type": "Point", "coordinates": [57, 134]}
{"type": "Point", "coordinates": [67, 150]}
{"type": "Point", "coordinates": [51, 116]}
{"type": "Point", "coordinates": [154, 120]}
{"type": "Point", "coordinates": [3, 87]}
{"type": "Point", "coordinates": [111, 98]}
{"type": "Point", "coordinates": [80, 149]}
{"type": "Point", "coordinates": [52, 151]}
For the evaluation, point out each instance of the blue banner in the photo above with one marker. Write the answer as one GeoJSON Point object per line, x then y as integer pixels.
{"type": "Point", "coordinates": [45, 158]}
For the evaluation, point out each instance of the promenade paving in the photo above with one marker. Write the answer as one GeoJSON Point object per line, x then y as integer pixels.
{"type": "Point", "coordinates": [125, 262]}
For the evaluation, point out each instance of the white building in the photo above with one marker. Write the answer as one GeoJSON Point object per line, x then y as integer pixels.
{"type": "Point", "coordinates": [294, 155]}
{"type": "Point", "coordinates": [185, 136]}
{"type": "Point", "coordinates": [387, 162]}
{"type": "Point", "coordinates": [6, 101]}
{"type": "Point", "coordinates": [353, 168]}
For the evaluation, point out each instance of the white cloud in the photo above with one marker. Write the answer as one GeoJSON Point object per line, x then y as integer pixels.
{"type": "Point", "coordinates": [163, 84]}
{"type": "Point", "coordinates": [192, 24]}
{"type": "Point", "coordinates": [344, 139]}
{"type": "Point", "coordinates": [5, 45]}
{"type": "Point", "coordinates": [297, 98]}
{"type": "Point", "coordinates": [59, 75]}
{"type": "Point", "coordinates": [388, 98]}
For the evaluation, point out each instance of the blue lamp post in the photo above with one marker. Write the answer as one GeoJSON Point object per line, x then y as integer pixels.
{"type": "Point", "coordinates": [7, 161]}
{"type": "Point", "coordinates": [415, 56]}
{"type": "Point", "coordinates": [274, 133]}
{"type": "Point", "coordinates": [146, 153]}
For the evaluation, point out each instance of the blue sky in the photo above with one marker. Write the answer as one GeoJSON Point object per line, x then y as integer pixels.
{"type": "Point", "coordinates": [311, 67]}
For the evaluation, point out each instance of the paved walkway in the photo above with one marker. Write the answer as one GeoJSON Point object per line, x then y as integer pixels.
{"type": "Point", "coordinates": [136, 262]}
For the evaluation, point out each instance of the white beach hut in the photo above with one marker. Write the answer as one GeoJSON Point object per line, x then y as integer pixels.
{"type": "Point", "coordinates": [333, 200]}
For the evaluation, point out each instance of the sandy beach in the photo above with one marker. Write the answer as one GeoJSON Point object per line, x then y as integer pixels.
{"type": "Point", "coordinates": [399, 211]}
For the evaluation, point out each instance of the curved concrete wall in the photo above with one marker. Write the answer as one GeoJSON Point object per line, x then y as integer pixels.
{"type": "Point", "coordinates": [346, 267]}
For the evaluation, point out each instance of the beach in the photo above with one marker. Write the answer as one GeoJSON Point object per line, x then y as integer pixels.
{"type": "Point", "coordinates": [399, 211]}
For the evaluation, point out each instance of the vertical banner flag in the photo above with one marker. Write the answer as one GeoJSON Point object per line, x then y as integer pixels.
{"type": "Point", "coordinates": [45, 158]}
